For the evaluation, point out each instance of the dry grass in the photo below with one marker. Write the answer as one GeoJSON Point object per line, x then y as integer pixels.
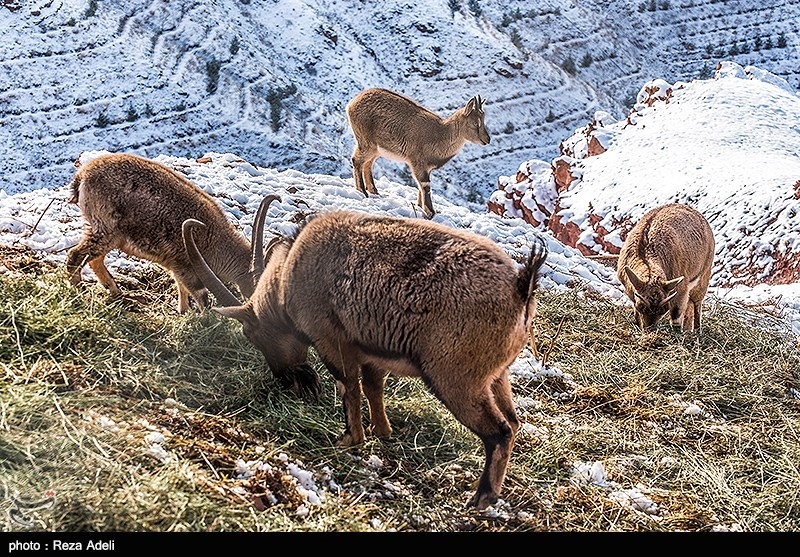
{"type": "Point", "coordinates": [702, 427]}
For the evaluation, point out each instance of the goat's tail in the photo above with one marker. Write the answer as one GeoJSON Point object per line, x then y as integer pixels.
{"type": "Point", "coordinates": [76, 186]}
{"type": "Point", "coordinates": [528, 279]}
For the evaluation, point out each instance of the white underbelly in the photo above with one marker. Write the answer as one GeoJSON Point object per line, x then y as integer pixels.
{"type": "Point", "coordinates": [390, 155]}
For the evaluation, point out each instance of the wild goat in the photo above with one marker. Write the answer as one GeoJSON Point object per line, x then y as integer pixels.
{"type": "Point", "coordinates": [138, 206]}
{"type": "Point", "coordinates": [387, 124]}
{"type": "Point", "coordinates": [665, 265]}
{"type": "Point", "coordinates": [378, 295]}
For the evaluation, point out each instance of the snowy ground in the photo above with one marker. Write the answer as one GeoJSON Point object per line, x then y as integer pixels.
{"type": "Point", "coordinates": [44, 221]}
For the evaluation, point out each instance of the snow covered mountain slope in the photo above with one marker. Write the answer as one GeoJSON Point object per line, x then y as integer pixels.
{"type": "Point", "coordinates": [269, 79]}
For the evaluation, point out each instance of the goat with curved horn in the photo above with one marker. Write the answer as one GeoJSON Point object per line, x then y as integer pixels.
{"type": "Point", "coordinates": [221, 292]}
{"type": "Point", "coordinates": [299, 376]}
{"type": "Point", "coordinates": [380, 295]}
{"type": "Point", "coordinates": [138, 206]}
{"type": "Point", "coordinates": [665, 265]}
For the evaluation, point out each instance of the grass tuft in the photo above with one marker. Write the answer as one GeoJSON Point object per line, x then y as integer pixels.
{"type": "Point", "coordinates": [121, 415]}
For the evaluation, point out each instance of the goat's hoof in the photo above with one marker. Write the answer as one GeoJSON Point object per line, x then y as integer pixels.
{"type": "Point", "coordinates": [483, 500]}
{"type": "Point", "coordinates": [380, 432]}
{"type": "Point", "coordinates": [347, 440]}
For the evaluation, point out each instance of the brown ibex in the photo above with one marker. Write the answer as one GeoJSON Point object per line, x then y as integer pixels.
{"type": "Point", "coordinates": [138, 206]}
{"type": "Point", "coordinates": [388, 124]}
{"type": "Point", "coordinates": [377, 295]}
{"type": "Point", "coordinates": [665, 265]}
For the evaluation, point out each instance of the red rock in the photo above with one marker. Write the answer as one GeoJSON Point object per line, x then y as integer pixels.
{"type": "Point", "coordinates": [562, 174]}
{"type": "Point", "coordinates": [595, 147]}
{"type": "Point", "coordinates": [495, 208]}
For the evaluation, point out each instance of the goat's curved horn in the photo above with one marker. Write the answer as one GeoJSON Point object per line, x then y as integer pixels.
{"type": "Point", "coordinates": [271, 246]}
{"type": "Point", "coordinates": [257, 247]}
{"type": "Point", "coordinates": [223, 296]}
{"type": "Point", "coordinates": [638, 284]}
{"type": "Point", "coordinates": [667, 300]}
{"type": "Point", "coordinates": [670, 284]}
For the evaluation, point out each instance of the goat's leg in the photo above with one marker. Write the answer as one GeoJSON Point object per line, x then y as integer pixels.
{"type": "Point", "coordinates": [200, 297]}
{"type": "Point", "coordinates": [369, 181]}
{"type": "Point", "coordinates": [103, 275]}
{"type": "Point", "coordinates": [505, 400]}
{"type": "Point", "coordinates": [478, 408]}
{"type": "Point", "coordinates": [189, 286]}
{"type": "Point", "coordinates": [698, 304]}
{"type": "Point", "coordinates": [423, 178]}
{"type": "Point", "coordinates": [698, 294]}
{"type": "Point", "coordinates": [689, 317]}
{"type": "Point", "coordinates": [362, 168]}
{"type": "Point", "coordinates": [91, 249]}
{"type": "Point", "coordinates": [183, 298]}
{"type": "Point", "coordinates": [342, 361]}
{"type": "Point", "coordinates": [678, 311]}
{"type": "Point", "coordinates": [696, 300]}
{"type": "Point", "coordinates": [358, 179]}
{"type": "Point", "coordinates": [373, 381]}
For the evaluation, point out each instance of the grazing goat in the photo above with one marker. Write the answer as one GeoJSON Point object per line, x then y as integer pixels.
{"type": "Point", "coordinates": [138, 206]}
{"type": "Point", "coordinates": [378, 295]}
{"type": "Point", "coordinates": [387, 124]}
{"type": "Point", "coordinates": [665, 265]}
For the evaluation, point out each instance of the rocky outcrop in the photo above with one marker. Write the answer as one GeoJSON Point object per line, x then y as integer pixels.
{"type": "Point", "coordinates": [533, 193]}
{"type": "Point", "coordinates": [591, 140]}
{"type": "Point", "coordinates": [562, 173]}
{"type": "Point", "coordinates": [662, 152]}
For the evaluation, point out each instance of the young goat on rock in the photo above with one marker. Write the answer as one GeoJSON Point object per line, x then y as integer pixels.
{"type": "Point", "coordinates": [376, 295]}
{"type": "Point", "coordinates": [388, 124]}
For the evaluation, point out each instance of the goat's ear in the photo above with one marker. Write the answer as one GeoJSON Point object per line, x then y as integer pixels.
{"type": "Point", "coordinates": [635, 280]}
{"type": "Point", "coordinates": [479, 102]}
{"type": "Point", "coordinates": [671, 284]}
{"type": "Point", "coordinates": [471, 105]}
